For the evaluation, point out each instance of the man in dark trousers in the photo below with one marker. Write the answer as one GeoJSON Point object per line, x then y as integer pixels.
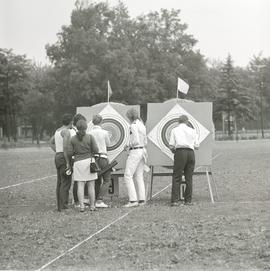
{"type": "Point", "coordinates": [59, 144]}
{"type": "Point", "coordinates": [102, 138]}
{"type": "Point", "coordinates": [183, 141]}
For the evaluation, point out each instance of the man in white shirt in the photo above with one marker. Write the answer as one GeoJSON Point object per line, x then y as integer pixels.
{"type": "Point", "coordinates": [102, 139]}
{"type": "Point", "coordinates": [59, 144]}
{"type": "Point", "coordinates": [183, 141]}
{"type": "Point", "coordinates": [136, 160]}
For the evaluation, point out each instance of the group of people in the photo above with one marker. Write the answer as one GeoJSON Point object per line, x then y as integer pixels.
{"type": "Point", "coordinates": [76, 147]}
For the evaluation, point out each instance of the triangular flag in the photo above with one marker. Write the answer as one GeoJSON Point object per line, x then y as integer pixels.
{"type": "Point", "coordinates": [109, 91]}
{"type": "Point", "coordinates": [182, 86]}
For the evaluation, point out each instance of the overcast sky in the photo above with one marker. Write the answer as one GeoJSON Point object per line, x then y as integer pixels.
{"type": "Point", "coordinates": [238, 27]}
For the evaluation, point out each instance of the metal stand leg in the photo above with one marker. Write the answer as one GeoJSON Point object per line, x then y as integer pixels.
{"type": "Point", "coordinates": [151, 181]}
{"type": "Point", "coordinates": [209, 185]}
{"type": "Point", "coordinates": [215, 185]}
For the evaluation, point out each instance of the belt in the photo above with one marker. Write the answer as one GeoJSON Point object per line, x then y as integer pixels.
{"type": "Point", "coordinates": [184, 148]}
{"type": "Point", "coordinates": [101, 155]}
{"type": "Point", "coordinates": [136, 148]}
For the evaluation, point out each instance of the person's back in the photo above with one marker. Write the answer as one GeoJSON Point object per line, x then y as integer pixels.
{"type": "Point", "coordinates": [102, 140]}
{"type": "Point", "coordinates": [182, 142]}
{"type": "Point", "coordinates": [184, 136]}
{"type": "Point", "coordinates": [59, 144]}
{"type": "Point", "coordinates": [58, 140]}
{"type": "Point", "coordinates": [101, 137]}
{"type": "Point", "coordinates": [83, 148]}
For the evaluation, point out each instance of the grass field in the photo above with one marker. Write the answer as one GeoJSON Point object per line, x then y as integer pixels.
{"type": "Point", "coordinates": [232, 234]}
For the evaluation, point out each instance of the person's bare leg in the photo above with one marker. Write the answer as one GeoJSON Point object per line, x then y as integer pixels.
{"type": "Point", "coordinates": [91, 193]}
{"type": "Point", "coordinates": [80, 193]}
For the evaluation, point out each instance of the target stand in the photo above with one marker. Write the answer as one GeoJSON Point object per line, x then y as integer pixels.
{"type": "Point", "coordinates": [116, 123]}
{"type": "Point", "coordinates": [161, 119]}
{"type": "Point", "coordinates": [207, 173]}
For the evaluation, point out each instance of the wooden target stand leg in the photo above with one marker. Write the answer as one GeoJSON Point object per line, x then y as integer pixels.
{"type": "Point", "coordinates": [209, 186]}
{"type": "Point", "coordinates": [151, 181]}
{"type": "Point", "coordinates": [209, 177]}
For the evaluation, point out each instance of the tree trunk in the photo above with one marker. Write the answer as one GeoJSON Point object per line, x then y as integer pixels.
{"type": "Point", "coordinates": [14, 124]}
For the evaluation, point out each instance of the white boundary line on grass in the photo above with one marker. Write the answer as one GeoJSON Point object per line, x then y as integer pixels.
{"type": "Point", "coordinates": [30, 181]}
{"type": "Point", "coordinates": [243, 202]}
{"type": "Point", "coordinates": [101, 230]}
{"type": "Point", "coordinates": [96, 233]}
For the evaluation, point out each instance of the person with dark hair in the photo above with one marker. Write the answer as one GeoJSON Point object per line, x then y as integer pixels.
{"type": "Point", "coordinates": [83, 147]}
{"type": "Point", "coordinates": [73, 132]}
{"type": "Point", "coordinates": [183, 141]}
{"type": "Point", "coordinates": [59, 144]}
{"type": "Point", "coordinates": [136, 160]}
{"type": "Point", "coordinates": [103, 141]}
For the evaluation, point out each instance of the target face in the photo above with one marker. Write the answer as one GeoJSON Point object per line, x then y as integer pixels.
{"type": "Point", "coordinates": [116, 132]}
{"type": "Point", "coordinates": [117, 127]}
{"type": "Point", "coordinates": [160, 135]}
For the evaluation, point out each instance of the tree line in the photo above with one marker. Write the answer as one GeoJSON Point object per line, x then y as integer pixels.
{"type": "Point", "coordinates": [141, 57]}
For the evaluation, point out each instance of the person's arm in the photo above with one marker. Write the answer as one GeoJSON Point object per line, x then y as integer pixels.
{"type": "Point", "coordinates": [196, 141]}
{"type": "Point", "coordinates": [66, 138]}
{"type": "Point", "coordinates": [107, 139]}
{"type": "Point", "coordinates": [70, 150]}
{"type": "Point", "coordinates": [134, 135]}
{"type": "Point", "coordinates": [172, 142]}
{"type": "Point", "coordinates": [93, 145]}
{"type": "Point", "coordinates": [52, 143]}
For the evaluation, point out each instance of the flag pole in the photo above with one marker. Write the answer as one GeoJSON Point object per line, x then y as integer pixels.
{"type": "Point", "coordinates": [177, 91]}
{"type": "Point", "coordinates": [108, 95]}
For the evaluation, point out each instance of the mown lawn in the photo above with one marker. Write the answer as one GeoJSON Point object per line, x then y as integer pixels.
{"type": "Point", "coordinates": [232, 234]}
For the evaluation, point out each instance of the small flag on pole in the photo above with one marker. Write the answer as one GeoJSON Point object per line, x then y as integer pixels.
{"type": "Point", "coordinates": [109, 91]}
{"type": "Point", "coordinates": [182, 86]}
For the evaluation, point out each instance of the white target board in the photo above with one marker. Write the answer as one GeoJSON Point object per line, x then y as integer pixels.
{"type": "Point", "coordinates": [115, 122]}
{"type": "Point", "coordinates": [163, 117]}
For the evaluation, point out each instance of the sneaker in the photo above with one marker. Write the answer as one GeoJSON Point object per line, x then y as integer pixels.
{"type": "Point", "coordinates": [173, 204]}
{"type": "Point", "coordinates": [92, 209]}
{"type": "Point", "coordinates": [82, 209]}
{"type": "Point", "coordinates": [101, 204]}
{"type": "Point", "coordinates": [131, 204]}
{"type": "Point", "coordinates": [141, 203]}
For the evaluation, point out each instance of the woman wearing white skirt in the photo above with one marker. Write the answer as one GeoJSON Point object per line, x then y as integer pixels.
{"type": "Point", "coordinates": [83, 146]}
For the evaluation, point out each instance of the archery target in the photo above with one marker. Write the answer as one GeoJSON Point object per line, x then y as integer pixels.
{"type": "Point", "coordinates": [117, 127]}
{"type": "Point", "coordinates": [116, 132]}
{"type": "Point", "coordinates": [172, 123]}
{"type": "Point", "coordinates": [160, 134]}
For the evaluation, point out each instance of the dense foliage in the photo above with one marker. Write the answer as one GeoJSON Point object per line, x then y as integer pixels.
{"type": "Point", "coordinates": [142, 57]}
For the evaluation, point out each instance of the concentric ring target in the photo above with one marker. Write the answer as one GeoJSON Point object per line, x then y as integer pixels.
{"type": "Point", "coordinates": [166, 126]}
{"type": "Point", "coordinates": [116, 131]}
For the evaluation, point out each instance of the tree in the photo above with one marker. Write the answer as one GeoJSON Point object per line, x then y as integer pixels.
{"type": "Point", "coordinates": [233, 99]}
{"type": "Point", "coordinates": [39, 105]}
{"type": "Point", "coordinates": [142, 57]}
{"type": "Point", "coordinates": [259, 70]}
{"type": "Point", "coordinates": [13, 85]}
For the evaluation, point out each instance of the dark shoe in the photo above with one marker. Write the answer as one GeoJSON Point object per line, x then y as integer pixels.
{"type": "Point", "coordinates": [82, 209]}
{"type": "Point", "coordinates": [188, 203]}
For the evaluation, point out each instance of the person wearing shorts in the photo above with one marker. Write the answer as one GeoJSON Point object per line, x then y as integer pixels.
{"type": "Point", "coordinates": [83, 147]}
